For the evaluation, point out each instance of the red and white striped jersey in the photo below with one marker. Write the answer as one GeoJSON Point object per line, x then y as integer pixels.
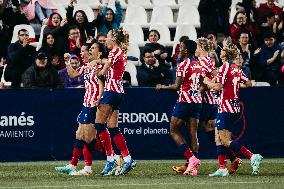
{"type": "Point", "coordinates": [91, 85]}
{"type": "Point", "coordinates": [118, 60]}
{"type": "Point", "coordinates": [190, 71]}
{"type": "Point", "coordinates": [210, 96]}
{"type": "Point", "coordinates": [230, 76]}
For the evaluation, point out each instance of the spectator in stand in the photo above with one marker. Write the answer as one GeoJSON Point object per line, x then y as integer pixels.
{"type": "Point", "coordinates": [269, 6]}
{"type": "Point", "coordinates": [242, 24]}
{"type": "Point", "coordinates": [245, 48]}
{"type": "Point", "coordinates": [80, 19]}
{"type": "Point", "coordinates": [67, 80]}
{"type": "Point", "coordinates": [211, 36]}
{"type": "Point", "coordinates": [41, 75]}
{"type": "Point", "coordinates": [268, 22]}
{"type": "Point", "coordinates": [159, 50]}
{"type": "Point", "coordinates": [213, 55]}
{"type": "Point", "coordinates": [270, 57]}
{"type": "Point", "coordinates": [9, 17]}
{"type": "Point", "coordinates": [151, 73]}
{"type": "Point", "coordinates": [53, 54]}
{"type": "Point", "coordinates": [214, 15]}
{"type": "Point", "coordinates": [249, 6]}
{"type": "Point", "coordinates": [59, 28]}
{"type": "Point", "coordinates": [240, 63]}
{"type": "Point", "coordinates": [74, 43]}
{"type": "Point", "coordinates": [101, 37]}
{"type": "Point", "coordinates": [109, 20]}
{"type": "Point", "coordinates": [21, 55]}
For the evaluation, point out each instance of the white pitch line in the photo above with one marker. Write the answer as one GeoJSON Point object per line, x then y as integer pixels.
{"type": "Point", "coordinates": [147, 184]}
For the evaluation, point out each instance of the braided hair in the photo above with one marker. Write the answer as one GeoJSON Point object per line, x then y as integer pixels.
{"type": "Point", "coordinates": [205, 44]}
{"type": "Point", "coordinates": [121, 38]}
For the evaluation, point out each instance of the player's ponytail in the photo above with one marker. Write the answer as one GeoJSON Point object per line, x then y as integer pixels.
{"type": "Point", "coordinates": [205, 44]}
{"type": "Point", "coordinates": [121, 38]}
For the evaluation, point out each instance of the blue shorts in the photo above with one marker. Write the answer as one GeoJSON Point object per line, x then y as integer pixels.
{"type": "Point", "coordinates": [87, 115]}
{"type": "Point", "coordinates": [227, 121]}
{"type": "Point", "coordinates": [112, 98]}
{"type": "Point", "coordinates": [208, 112]}
{"type": "Point", "coordinates": [185, 111]}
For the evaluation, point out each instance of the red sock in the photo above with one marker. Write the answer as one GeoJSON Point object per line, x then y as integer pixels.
{"type": "Point", "coordinates": [88, 156]}
{"type": "Point", "coordinates": [120, 143]}
{"type": "Point", "coordinates": [98, 146]}
{"type": "Point", "coordinates": [77, 152]}
{"type": "Point", "coordinates": [222, 161]}
{"type": "Point", "coordinates": [188, 153]}
{"type": "Point", "coordinates": [245, 152]}
{"type": "Point", "coordinates": [106, 142]}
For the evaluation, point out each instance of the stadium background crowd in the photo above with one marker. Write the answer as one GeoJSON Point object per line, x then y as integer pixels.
{"type": "Point", "coordinates": [35, 35]}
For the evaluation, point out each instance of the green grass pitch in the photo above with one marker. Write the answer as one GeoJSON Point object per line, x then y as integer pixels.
{"type": "Point", "coordinates": [150, 174]}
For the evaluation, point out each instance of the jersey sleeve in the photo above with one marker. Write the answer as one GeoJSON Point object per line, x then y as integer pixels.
{"type": "Point", "coordinates": [222, 72]}
{"type": "Point", "coordinates": [113, 57]}
{"type": "Point", "coordinates": [208, 65]}
{"type": "Point", "coordinates": [80, 70]}
{"type": "Point", "coordinates": [180, 72]}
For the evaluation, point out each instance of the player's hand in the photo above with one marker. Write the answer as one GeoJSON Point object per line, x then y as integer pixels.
{"type": "Point", "coordinates": [206, 80]}
{"type": "Point", "coordinates": [90, 39]}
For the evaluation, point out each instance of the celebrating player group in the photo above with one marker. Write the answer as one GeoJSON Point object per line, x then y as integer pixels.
{"type": "Point", "coordinates": [208, 97]}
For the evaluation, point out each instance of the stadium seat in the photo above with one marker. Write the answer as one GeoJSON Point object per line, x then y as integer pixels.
{"type": "Point", "coordinates": [111, 4]}
{"type": "Point", "coordinates": [133, 50]}
{"type": "Point", "coordinates": [40, 38]}
{"type": "Point", "coordinates": [165, 34]}
{"type": "Point", "coordinates": [233, 10]}
{"type": "Point", "coordinates": [61, 10]}
{"type": "Point", "coordinates": [171, 3]}
{"type": "Point", "coordinates": [162, 15]}
{"type": "Point", "coordinates": [191, 2]}
{"type": "Point", "coordinates": [131, 68]}
{"type": "Point", "coordinates": [87, 9]}
{"type": "Point", "coordinates": [136, 34]}
{"type": "Point", "coordinates": [135, 15]}
{"type": "Point", "coordinates": [31, 31]}
{"type": "Point", "coordinates": [63, 3]}
{"type": "Point", "coordinates": [187, 30]}
{"type": "Point", "coordinates": [188, 14]}
{"type": "Point", "coordinates": [144, 3]}
{"type": "Point", "coordinates": [6, 83]}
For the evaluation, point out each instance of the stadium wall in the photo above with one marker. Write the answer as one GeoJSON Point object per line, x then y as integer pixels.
{"type": "Point", "coordinates": [40, 124]}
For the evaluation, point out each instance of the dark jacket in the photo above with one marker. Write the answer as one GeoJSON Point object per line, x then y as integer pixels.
{"type": "Point", "coordinates": [148, 77]}
{"type": "Point", "coordinates": [19, 59]}
{"type": "Point", "coordinates": [157, 46]}
{"type": "Point", "coordinates": [47, 77]}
